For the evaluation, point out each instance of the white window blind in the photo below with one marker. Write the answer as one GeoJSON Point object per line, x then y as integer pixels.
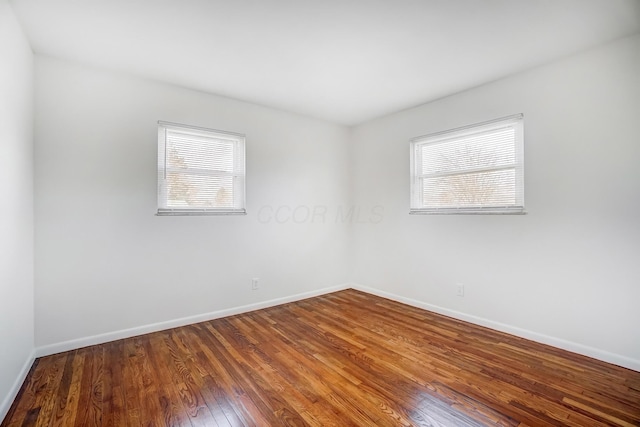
{"type": "Point", "coordinates": [200, 171]}
{"type": "Point", "coordinates": [474, 169]}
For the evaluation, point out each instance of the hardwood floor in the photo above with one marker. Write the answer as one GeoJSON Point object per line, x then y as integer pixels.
{"type": "Point", "coordinates": [343, 359]}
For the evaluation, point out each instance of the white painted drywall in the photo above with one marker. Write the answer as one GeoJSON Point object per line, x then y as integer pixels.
{"type": "Point", "coordinates": [570, 269]}
{"type": "Point", "coordinates": [105, 262]}
{"type": "Point", "coordinates": [16, 207]}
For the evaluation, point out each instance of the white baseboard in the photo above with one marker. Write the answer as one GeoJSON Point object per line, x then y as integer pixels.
{"type": "Point", "coordinates": [160, 326]}
{"type": "Point", "coordinates": [574, 347]}
{"type": "Point", "coordinates": [17, 384]}
{"type": "Point", "coordinates": [595, 353]}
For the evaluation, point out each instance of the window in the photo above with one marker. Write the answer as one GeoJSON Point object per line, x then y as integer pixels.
{"type": "Point", "coordinates": [200, 171]}
{"type": "Point", "coordinates": [474, 169]}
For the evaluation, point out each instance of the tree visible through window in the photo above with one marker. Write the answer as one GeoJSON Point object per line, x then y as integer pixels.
{"type": "Point", "coordinates": [475, 169]}
{"type": "Point", "coordinates": [200, 171]}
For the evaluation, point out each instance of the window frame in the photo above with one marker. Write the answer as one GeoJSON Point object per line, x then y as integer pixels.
{"type": "Point", "coordinates": [417, 178]}
{"type": "Point", "coordinates": [238, 175]}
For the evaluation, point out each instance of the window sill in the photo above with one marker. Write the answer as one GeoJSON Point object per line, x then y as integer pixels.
{"type": "Point", "coordinates": [453, 211]}
{"type": "Point", "coordinates": [200, 213]}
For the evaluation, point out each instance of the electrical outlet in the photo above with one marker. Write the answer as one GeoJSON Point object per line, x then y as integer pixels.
{"type": "Point", "coordinates": [255, 284]}
{"type": "Point", "coordinates": [460, 290]}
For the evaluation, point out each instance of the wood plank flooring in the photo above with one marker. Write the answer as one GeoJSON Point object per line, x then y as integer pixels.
{"type": "Point", "coordinates": [343, 359]}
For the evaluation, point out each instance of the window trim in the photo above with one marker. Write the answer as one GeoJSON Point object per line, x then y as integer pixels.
{"type": "Point", "coordinates": [416, 189]}
{"type": "Point", "coordinates": [239, 159]}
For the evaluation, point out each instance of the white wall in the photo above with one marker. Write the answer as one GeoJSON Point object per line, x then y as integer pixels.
{"type": "Point", "coordinates": [16, 211]}
{"type": "Point", "coordinates": [105, 263]}
{"type": "Point", "coordinates": [568, 272]}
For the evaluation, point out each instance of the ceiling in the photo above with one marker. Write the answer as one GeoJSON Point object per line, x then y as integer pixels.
{"type": "Point", "coordinates": [346, 61]}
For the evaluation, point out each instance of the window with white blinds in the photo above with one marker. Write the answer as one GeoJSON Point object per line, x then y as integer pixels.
{"type": "Point", "coordinates": [200, 171]}
{"type": "Point", "coordinates": [474, 169]}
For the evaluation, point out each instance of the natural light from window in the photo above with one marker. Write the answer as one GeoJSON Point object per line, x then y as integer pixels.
{"type": "Point", "coordinates": [475, 169]}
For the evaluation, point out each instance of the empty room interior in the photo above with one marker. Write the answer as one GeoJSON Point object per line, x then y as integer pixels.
{"type": "Point", "coordinates": [323, 213]}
